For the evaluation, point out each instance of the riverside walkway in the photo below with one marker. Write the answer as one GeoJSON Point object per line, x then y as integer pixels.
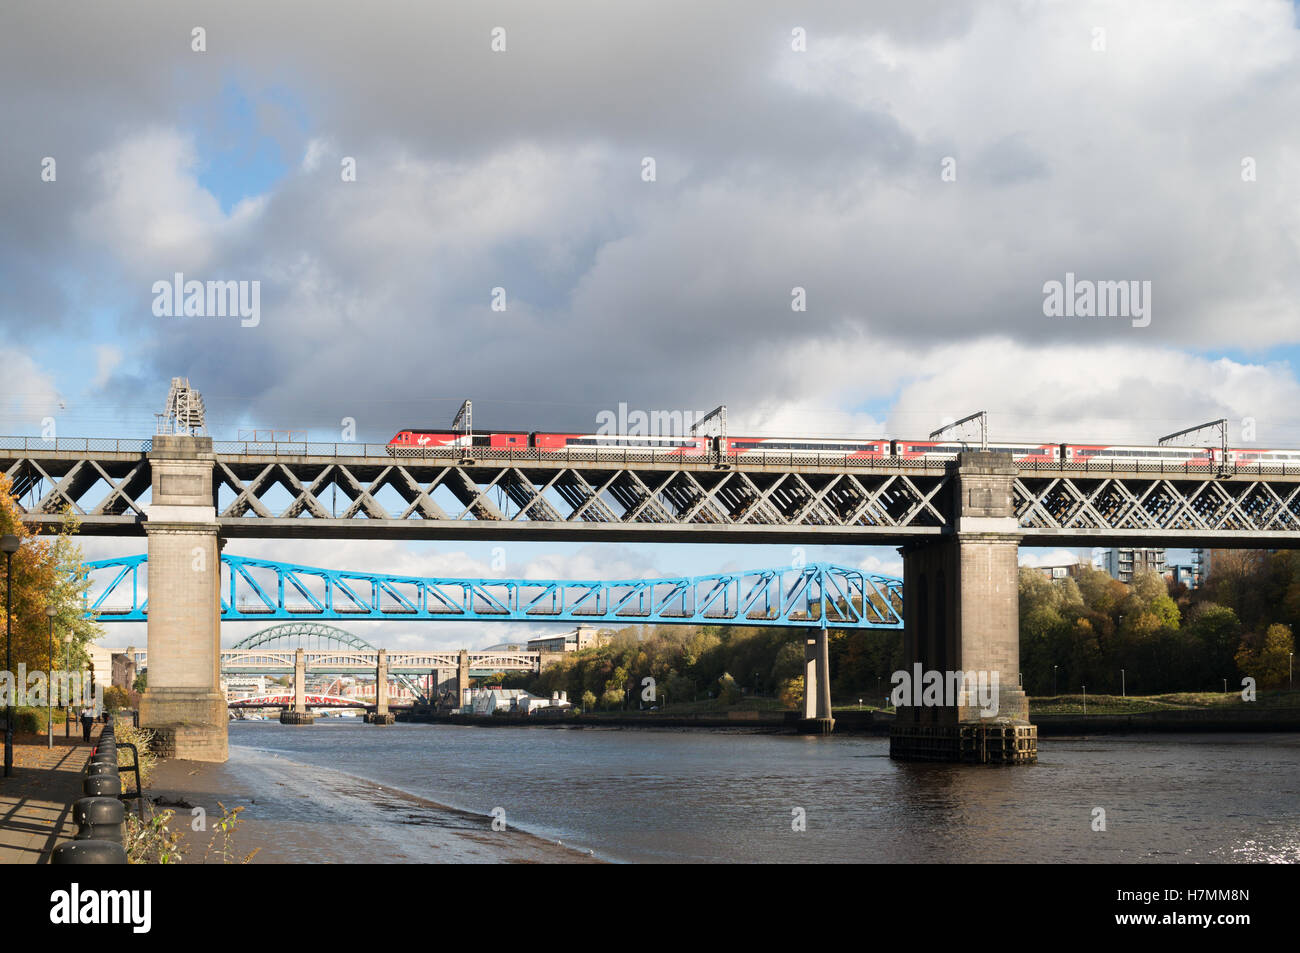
{"type": "Point", "coordinates": [36, 801]}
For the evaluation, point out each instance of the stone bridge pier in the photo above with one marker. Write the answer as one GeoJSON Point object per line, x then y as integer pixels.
{"type": "Point", "coordinates": [381, 715]}
{"type": "Point", "coordinates": [183, 703]}
{"type": "Point", "coordinates": [817, 684]}
{"type": "Point", "coordinates": [462, 677]}
{"type": "Point", "coordinates": [300, 715]}
{"type": "Point", "coordinates": [961, 635]}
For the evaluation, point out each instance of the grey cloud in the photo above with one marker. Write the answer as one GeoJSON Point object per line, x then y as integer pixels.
{"type": "Point", "coordinates": [521, 170]}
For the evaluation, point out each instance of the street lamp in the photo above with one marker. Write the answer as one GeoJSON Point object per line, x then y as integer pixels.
{"type": "Point", "coordinates": [9, 546]}
{"type": "Point", "coordinates": [1053, 681]}
{"type": "Point", "coordinates": [67, 665]}
{"type": "Point", "coordinates": [51, 612]}
{"type": "Point", "coordinates": [1123, 689]}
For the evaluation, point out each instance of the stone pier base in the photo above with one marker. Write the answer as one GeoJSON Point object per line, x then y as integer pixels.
{"type": "Point", "coordinates": [967, 744]}
{"type": "Point", "coordinates": [375, 718]}
{"type": "Point", "coordinates": [186, 724]}
{"type": "Point", "coordinates": [297, 718]}
{"type": "Point", "coordinates": [190, 742]}
{"type": "Point", "coordinates": [815, 726]}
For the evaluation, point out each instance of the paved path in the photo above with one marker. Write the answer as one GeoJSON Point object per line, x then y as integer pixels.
{"type": "Point", "coordinates": [36, 800]}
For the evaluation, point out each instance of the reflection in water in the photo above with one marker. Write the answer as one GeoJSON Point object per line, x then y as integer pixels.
{"type": "Point", "coordinates": [639, 795]}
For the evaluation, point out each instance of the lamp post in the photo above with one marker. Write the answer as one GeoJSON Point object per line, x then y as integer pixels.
{"type": "Point", "coordinates": [1123, 688]}
{"type": "Point", "coordinates": [67, 659]}
{"type": "Point", "coordinates": [1053, 681]}
{"type": "Point", "coordinates": [50, 612]}
{"type": "Point", "coordinates": [9, 546]}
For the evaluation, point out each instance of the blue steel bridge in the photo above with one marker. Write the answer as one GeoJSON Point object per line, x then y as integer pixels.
{"type": "Point", "coordinates": [810, 595]}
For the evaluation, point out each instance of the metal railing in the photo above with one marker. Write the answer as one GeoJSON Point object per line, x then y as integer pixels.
{"type": "Point", "coordinates": [470, 456]}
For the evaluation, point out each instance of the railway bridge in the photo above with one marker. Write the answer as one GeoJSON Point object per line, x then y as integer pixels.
{"type": "Point", "coordinates": [958, 525]}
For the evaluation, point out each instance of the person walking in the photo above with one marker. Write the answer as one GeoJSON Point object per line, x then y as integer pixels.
{"type": "Point", "coordinates": [87, 719]}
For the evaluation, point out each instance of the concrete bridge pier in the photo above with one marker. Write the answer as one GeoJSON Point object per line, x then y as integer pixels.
{"type": "Point", "coordinates": [381, 715]}
{"type": "Point", "coordinates": [183, 704]}
{"type": "Point", "coordinates": [961, 635]}
{"type": "Point", "coordinates": [462, 677]}
{"type": "Point", "coordinates": [817, 717]}
{"type": "Point", "coordinates": [299, 715]}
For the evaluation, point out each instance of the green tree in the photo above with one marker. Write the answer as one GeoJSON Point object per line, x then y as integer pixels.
{"type": "Point", "coordinates": [115, 698]}
{"type": "Point", "coordinates": [728, 690]}
{"type": "Point", "coordinates": [1267, 659]}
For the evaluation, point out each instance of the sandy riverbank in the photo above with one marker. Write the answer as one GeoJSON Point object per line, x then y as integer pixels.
{"type": "Point", "coordinates": [295, 813]}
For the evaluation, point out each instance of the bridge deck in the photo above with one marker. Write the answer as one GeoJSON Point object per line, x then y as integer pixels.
{"type": "Point", "coordinates": [360, 491]}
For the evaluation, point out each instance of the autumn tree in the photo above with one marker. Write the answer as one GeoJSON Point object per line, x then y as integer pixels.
{"type": "Point", "coordinates": [46, 572]}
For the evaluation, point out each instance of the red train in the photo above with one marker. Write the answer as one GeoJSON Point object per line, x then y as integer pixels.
{"type": "Point", "coordinates": [413, 440]}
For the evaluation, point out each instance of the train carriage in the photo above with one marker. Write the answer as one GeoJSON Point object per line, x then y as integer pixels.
{"type": "Point", "coordinates": [921, 450]}
{"type": "Point", "coordinates": [1116, 456]}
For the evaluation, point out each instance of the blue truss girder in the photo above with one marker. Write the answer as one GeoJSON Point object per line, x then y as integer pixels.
{"type": "Point", "coordinates": [812, 595]}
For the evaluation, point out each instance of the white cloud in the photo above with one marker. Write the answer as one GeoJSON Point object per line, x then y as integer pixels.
{"type": "Point", "coordinates": [28, 394]}
{"type": "Point", "coordinates": [151, 210]}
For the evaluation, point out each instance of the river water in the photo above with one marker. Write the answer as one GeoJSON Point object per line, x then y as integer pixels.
{"type": "Point", "coordinates": [691, 796]}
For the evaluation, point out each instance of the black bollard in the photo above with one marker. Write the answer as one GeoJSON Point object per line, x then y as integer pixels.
{"type": "Point", "coordinates": [94, 770]}
{"type": "Point", "coordinates": [98, 818]}
{"type": "Point", "coordinates": [102, 785]}
{"type": "Point", "coordinates": [89, 852]}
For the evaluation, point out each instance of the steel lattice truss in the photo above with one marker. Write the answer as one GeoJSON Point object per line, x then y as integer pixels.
{"type": "Point", "coordinates": [622, 502]}
{"type": "Point", "coordinates": [1160, 508]}
{"type": "Point", "coordinates": [266, 496]}
{"type": "Point", "coordinates": [340, 491]}
{"type": "Point", "coordinates": [260, 589]}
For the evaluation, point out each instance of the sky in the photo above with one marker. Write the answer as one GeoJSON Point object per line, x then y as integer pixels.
{"type": "Point", "coordinates": [916, 171]}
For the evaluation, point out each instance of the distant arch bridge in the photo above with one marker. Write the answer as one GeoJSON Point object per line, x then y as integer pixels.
{"type": "Point", "coordinates": [328, 650]}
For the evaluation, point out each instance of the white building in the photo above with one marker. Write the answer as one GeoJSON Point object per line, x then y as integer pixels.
{"type": "Point", "coordinates": [488, 701]}
{"type": "Point", "coordinates": [583, 637]}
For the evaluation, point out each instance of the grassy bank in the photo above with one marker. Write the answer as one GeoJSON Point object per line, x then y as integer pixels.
{"type": "Point", "coordinates": [1144, 704]}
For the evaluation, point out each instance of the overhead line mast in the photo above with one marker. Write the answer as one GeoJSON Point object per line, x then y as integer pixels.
{"type": "Point", "coordinates": [464, 420]}
{"type": "Point", "coordinates": [1221, 425]}
{"type": "Point", "coordinates": [981, 415]}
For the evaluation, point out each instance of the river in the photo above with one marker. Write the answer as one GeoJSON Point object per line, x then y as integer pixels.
{"type": "Point", "coordinates": [731, 796]}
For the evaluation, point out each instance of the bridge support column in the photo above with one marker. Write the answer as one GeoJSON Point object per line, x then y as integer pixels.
{"type": "Point", "coordinates": [462, 677]}
{"type": "Point", "coordinates": [381, 715]}
{"type": "Point", "coordinates": [299, 681]}
{"type": "Point", "coordinates": [183, 704]}
{"type": "Point", "coordinates": [299, 715]}
{"type": "Point", "coordinates": [961, 700]}
{"type": "Point", "coordinates": [817, 684]}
